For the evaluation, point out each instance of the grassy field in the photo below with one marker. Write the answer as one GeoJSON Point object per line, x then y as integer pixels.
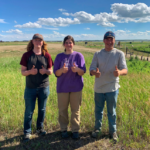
{"type": "Point", "coordinates": [133, 117]}
{"type": "Point", "coordinates": [140, 48]}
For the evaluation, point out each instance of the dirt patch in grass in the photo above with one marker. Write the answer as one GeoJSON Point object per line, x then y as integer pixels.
{"type": "Point", "coordinates": [53, 141]}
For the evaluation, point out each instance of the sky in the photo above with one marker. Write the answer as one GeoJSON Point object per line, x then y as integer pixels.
{"type": "Point", "coordinates": [82, 19]}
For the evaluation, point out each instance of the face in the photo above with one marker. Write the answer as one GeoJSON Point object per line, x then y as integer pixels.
{"type": "Point", "coordinates": [109, 43]}
{"type": "Point", "coordinates": [68, 45]}
{"type": "Point", "coordinates": [38, 43]}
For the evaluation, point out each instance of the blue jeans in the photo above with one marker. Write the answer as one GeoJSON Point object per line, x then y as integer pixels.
{"type": "Point", "coordinates": [30, 96]}
{"type": "Point", "coordinates": [111, 100]}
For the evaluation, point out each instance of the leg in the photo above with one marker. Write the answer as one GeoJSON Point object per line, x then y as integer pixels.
{"type": "Point", "coordinates": [63, 102]}
{"type": "Point", "coordinates": [42, 94]}
{"type": "Point", "coordinates": [111, 99]}
{"type": "Point", "coordinates": [75, 103]}
{"type": "Point", "coordinates": [30, 99]}
{"type": "Point", "coordinates": [99, 106]}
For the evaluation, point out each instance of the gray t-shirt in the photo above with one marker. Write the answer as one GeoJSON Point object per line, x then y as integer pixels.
{"type": "Point", "coordinates": [106, 62]}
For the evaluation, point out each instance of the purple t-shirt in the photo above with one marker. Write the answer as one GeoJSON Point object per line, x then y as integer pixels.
{"type": "Point", "coordinates": [70, 81]}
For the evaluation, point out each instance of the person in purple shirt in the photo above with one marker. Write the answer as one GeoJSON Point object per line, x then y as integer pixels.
{"type": "Point", "coordinates": [69, 67]}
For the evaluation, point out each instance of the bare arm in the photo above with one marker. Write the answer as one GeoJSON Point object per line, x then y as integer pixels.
{"type": "Point", "coordinates": [96, 73]}
{"type": "Point", "coordinates": [62, 70]}
{"type": "Point", "coordinates": [24, 71]}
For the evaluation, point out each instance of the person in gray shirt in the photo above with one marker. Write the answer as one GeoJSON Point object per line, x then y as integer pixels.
{"type": "Point", "coordinates": [107, 65]}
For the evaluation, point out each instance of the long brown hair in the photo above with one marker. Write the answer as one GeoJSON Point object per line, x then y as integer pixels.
{"type": "Point", "coordinates": [30, 47]}
{"type": "Point", "coordinates": [68, 37]}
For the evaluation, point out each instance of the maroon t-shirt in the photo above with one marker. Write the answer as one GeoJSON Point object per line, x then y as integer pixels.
{"type": "Point", "coordinates": [28, 60]}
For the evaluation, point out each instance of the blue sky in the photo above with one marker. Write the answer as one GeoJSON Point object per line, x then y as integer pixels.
{"type": "Point", "coordinates": [84, 20]}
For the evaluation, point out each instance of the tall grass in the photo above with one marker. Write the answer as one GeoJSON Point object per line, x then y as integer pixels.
{"type": "Point", "coordinates": [133, 117]}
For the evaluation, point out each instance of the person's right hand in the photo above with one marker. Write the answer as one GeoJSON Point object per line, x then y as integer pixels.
{"type": "Point", "coordinates": [33, 71]}
{"type": "Point", "coordinates": [98, 74]}
{"type": "Point", "coordinates": [64, 68]}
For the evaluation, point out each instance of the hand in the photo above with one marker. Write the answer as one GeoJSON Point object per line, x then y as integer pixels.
{"type": "Point", "coordinates": [116, 72]}
{"type": "Point", "coordinates": [74, 68]}
{"type": "Point", "coordinates": [42, 71]}
{"type": "Point", "coordinates": [33, 71]}
{"type": "Point", "coordinates": [98, 74]}
{"type": "Point", "coordinates": [64, 68]}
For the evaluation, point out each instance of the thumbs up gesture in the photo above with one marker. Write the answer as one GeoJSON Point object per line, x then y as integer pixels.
{"type": "Point", "coordinates": [42, 71]}
{"type": "Point", "coordinates": [33, 71]}
{"type": "Point", "coordinates": [116, 72]}
{"type": "Point", "coordinates": [74, 68]}
{"type": "Point", "coordinates": [64, 68]}
{"type": "Point", "coordinates": [98, 74]}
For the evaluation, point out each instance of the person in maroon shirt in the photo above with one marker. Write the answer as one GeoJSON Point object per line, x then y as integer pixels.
{"type": "Point", "coordinates": [36, 65]}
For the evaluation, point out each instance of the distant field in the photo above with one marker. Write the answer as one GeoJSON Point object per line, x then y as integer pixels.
{"type": "Point", "coordinates": [133, 117]}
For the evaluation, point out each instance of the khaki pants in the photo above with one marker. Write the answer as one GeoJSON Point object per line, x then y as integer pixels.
{"type": "Point", "coordinates": [74, 99]}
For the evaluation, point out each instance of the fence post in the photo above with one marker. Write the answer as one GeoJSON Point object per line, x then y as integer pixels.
{"type": "Point", "coordinates": [126, 51]}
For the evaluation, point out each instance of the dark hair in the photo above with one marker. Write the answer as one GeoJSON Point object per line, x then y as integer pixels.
{"type": "Point", "coordinates": [30, 47]}
{"type": "Point", "coordinates": [68, 37]}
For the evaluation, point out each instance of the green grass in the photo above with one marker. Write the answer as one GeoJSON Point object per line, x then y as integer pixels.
{"type": "Point", "coordinates": [133, 117]}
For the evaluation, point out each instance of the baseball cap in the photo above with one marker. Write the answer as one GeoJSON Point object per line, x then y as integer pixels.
{"type": "Point", "coordinates": [37, 36]}
{"type": "Point", "coordinates": [109, 34]}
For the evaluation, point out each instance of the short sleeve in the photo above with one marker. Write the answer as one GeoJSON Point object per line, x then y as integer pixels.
{"type": "Point", "coordinates": [57, 64]}
{"type": "Point", "coordinates": [122, 62]}
{"type": "Point", "coordinates": [50, 61]}
{"type": "Point", "coordinates": [94, 63]}
{"type": "Point", "coordinates": [81, 63]}
{"type": "Point", "coordinates": [24, 60]}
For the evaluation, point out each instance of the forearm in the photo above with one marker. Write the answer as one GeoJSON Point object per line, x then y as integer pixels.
{"type": "Point", "coordinates": [123, 72]}
{"type": "Point", "coordinates": [25, 72]}
{"type": "Point", "coordinates": [59, 72]}
{"type": "Point", "coordinates": [93, 72]}
{"type": "Point", "coordinates": [49, 71]}
{"type": "Point", "coordinates": [80, 72]}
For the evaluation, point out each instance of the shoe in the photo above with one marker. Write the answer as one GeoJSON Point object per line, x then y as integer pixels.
{"type": "Point", "coordinates": [114, 136]}
{"type": "Point", "coordinates": [27, 137]}
{"type": "Point", "coordinates": [75, 135]}
{"type": "Point", "coordinates": [41, 132]}
{"type": "Point", "coordinates": [96, 134]}
{"type": "Point", "coordinates": [64, 134]}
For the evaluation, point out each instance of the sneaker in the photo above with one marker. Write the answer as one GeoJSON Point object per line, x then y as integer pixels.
{"type": "Point", "coordinates": [27, 137]}
{"type": "Point", "coordinates": [96, 134]}
{"type": "Point", "coordinates": [41, 132]}
{"type": "Point", "coordinates": [64, 134]}
{"type": "Point", "coordinates": [75, 135]}
{"type": "Point", "coordinates": [114, 136]}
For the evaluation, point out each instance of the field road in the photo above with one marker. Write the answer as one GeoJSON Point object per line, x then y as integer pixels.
{"type": "Point", "coordinates": [22, 48]}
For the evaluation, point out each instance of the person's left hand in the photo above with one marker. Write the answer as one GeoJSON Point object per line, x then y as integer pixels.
{"type": "Point", "coordinates": [74, 68]}
{"type": "Point", "coordinates": [116, 72]}
{"type": "Point", "coordinates": [42, 71]}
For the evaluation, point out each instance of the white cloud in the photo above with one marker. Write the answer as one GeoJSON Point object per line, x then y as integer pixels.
{"type": "Point", "coordinates": [130, 10]}
{"type": "Point", "coordinates": [29, 25]}
{"type": "Point", "coordinates": [61, 9]}
{"type": "Point", "coordinates": [13, 31]}
{"type": "Point", "coordinates": [66, 14]}
{"type": "Point", "coordinates": [15, 21]}
{"type": "Point", "coordinates": [2, 21]}
{"type": "Point", "coordinates": [51, 28]}
{"type": "Point", "coordinates": [57, 21]}
{"type": "Point", "coordinates": [87, 28]}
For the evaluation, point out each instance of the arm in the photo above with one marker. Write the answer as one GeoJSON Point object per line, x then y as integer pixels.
{"type": "Point", "coordinates": [46, 71]}
{"type": "Point", "coordinates": [75, 69]}
{"type": "Point", "coordinates": [96, 73]}
{"type": "Point", "coordinates": [26, 72]}
{"type": "Point", "coordinates": [94, 65]}
{"type": "Point", "coordinates": [123, 72]}
{"type": "Point", "coordinates": [49, 71]}
{"type": "Point", "coordinates": [62, 70]}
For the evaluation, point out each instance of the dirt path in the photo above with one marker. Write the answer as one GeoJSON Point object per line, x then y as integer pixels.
{"type": "Point", "coordinates": [22, 48]}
